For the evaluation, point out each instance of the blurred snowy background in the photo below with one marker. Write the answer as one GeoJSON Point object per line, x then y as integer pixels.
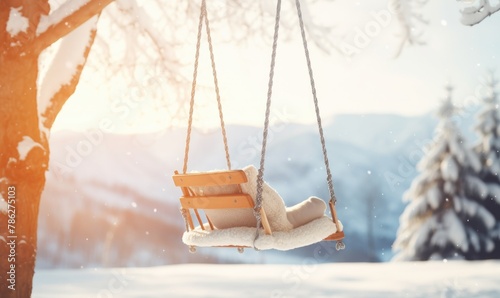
{"type": "Point", "coordinates": [109, 199]}
{"type": "Point", "coordinates": [116, 205]}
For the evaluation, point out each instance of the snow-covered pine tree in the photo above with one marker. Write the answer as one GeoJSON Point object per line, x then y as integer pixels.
{"type": "Point", "coordinates": [488, 149]}
{"type": "Point", "coordinates": [443, 220]}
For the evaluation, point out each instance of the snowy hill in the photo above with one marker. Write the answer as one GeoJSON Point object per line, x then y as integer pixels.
{"type": "Point", "coordinates": [110, 200]}
{"type": "Point", "coordinates": [310, 279]}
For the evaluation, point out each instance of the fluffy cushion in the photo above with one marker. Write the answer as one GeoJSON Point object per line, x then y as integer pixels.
{"type": "Point", "coordinates": [306, 211]}
{"type": "Point", "coordinates": [280, 218]}
{"type": "Point", "coordinates": [272, 202]}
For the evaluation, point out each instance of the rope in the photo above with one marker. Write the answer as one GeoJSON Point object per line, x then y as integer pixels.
{"type": "Point", "coordinates": [316, 106]}
{"type": "Point", "coordinates": [260, 176]}
{"type": "Point", "coordinates": [193, 87]}
{"type": "Point", "coordinates": [184, 215]}
{"type": "Point", "coordinates": [333, 199]}
{"type": "Point", "coordinates": [203, 15]}
{"type": "Point", "coordinates": [216, 83]}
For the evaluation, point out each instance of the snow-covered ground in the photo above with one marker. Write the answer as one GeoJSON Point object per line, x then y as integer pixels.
{"type": "Point", "coordinates": [308, 279]}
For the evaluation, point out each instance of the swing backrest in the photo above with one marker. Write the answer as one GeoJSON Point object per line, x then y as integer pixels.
{"type": "Point", "coordinates": [218, 194]}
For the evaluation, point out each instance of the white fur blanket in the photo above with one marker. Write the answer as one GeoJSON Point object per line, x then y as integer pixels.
{"type": "Point", "coordinates": [307, 234]}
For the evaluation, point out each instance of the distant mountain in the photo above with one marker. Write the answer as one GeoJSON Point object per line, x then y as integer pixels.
{"type": "Point", "coordinates": [110, 201]}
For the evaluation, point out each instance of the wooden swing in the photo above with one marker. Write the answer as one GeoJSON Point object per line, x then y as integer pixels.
{"type": "Point", "coordinates": [222, 190]}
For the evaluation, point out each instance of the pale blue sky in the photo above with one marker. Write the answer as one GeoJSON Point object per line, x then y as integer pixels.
{"type": "Point", "coordinates": [371, 81]}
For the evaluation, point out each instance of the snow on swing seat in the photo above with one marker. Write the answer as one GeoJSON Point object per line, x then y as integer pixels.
{"type": "Point", "coordinates": [307, 234]}
{"type": "Point", "coordinates": [283, 228]}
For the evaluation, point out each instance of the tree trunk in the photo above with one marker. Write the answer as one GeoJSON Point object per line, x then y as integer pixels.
{"type": "Point", "coordinates": [24, 149]}
{"type": "Point", "coordinates": [21, 179]}
{"type": "Point", "coordinates": [22, 172]}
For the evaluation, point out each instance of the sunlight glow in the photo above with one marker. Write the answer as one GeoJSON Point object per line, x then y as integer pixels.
{"type": "Point", "coordinates": [369, 82]}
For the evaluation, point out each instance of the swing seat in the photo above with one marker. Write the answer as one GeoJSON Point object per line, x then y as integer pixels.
{"type": "Point", "coordinates": [227, 199]}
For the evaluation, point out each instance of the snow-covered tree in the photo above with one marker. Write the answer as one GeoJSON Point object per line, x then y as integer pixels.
{"type": "Point", "coordinates": [445, 218]}
{"type": "Point", "coordinates": [488, 149]}
{"type": "Point", "coordinates": [26, 29]}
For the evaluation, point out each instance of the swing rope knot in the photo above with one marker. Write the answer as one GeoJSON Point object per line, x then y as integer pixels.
{"type": "Point", "coordinates": [340, 245]}
{"type": "Point", "coordinates": [184, 215]}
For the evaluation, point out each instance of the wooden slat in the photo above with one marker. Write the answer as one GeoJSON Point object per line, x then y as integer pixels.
{"type": "Point", "coordinates": [185, 190]}
{"type": "Point", "coordinates": [265, 222]}
{"type": "Point", "coordinates": [210, 179]}
{"type": "Point", "coordinates": [340, 234]}
{"type": "Point", "coordinates": [217, 202]}
{"type": "Point", "coordinates": [199, 219]}
{"type": "Point", "coordinates": [335, 236]}
{"type": "Point", "coordinates": [210, 222]}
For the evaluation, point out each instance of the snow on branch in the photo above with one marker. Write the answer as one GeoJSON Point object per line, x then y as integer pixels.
{"type": "Point", "coordinates": [64, 11]}
{"type": "Point", "coordinates": [17, 22]}
{"type": "Point", "coordinates": [25, 145]}
{"type": "Point", "coordinates": [65, 19]}
{"type": "Point", "coordinates": [3, 204]}
{"type": "Point", "coordinates": [64, 73]}
{"type": "Point", "coordinates": [475, 11]}
{"type": "Point", "coordinates": [409, 17]}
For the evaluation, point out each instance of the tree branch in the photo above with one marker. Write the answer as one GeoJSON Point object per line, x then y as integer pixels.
{"type": "Point", "coordinates": [58, 99]}
{"type": "Point", "coordinates": [408, 18]}
{"type": "Point", "coordinates": [472, 15]}
{"type": "Point", "coordinates": [68, 23]}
